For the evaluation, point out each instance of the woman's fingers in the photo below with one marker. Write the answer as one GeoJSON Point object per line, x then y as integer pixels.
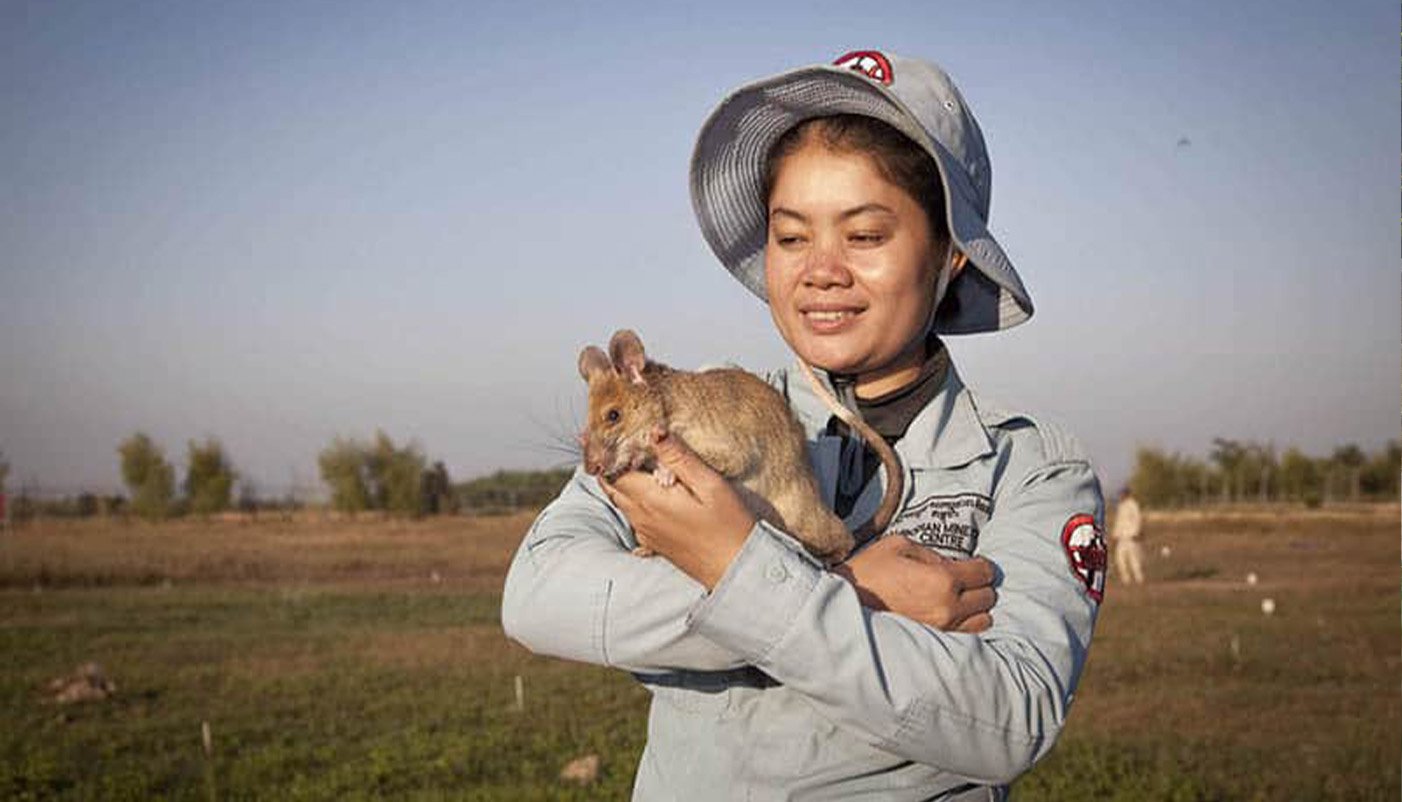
{"type": "Point", "coordinates": [620, 496]}
{"type": "Point", "coordinates": [689, 470]}
{"type": "Point", "coordinates": [970, 573]}
{"type": "Point", "coordinates": [973, 602]}
{"type": "Point", "coordinates": [975, 623]}
{"type": "Point", "coordinates": [971, 610]}
{"type": "Point", "coordinates": [696, 520]}
{"type": "Point", "coordinates": [973, 573]}
{"type": "Point", "coordinates": [906, 578]}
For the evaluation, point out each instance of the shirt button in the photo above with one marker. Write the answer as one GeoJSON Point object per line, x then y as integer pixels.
{"type": "Point", "coordinates": [776, 573]}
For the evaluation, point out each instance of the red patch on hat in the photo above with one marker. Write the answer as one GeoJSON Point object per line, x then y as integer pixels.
{"type": "Point", "coordinates": [1085, 547]}
{"type": "Point", "coordinates": [871, 63]}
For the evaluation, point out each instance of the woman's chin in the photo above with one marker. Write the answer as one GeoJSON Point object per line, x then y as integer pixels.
{"type": "Point", "coordinates": [829, 360]}
{"type": "Point", "coordinates": [840, 353]}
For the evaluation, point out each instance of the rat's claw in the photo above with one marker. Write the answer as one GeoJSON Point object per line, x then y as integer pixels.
{"type": "Point", "coordinates": [643, 551]}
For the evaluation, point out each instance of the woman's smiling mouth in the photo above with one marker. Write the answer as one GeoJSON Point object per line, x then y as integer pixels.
{"type": "Point", "coordinates": [829, 319]}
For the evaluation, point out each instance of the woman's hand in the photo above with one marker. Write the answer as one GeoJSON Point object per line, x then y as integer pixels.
{"type": "Point", "coordinates": [698, 521]}
{"type": "Point", "coordinates": [899, 575]}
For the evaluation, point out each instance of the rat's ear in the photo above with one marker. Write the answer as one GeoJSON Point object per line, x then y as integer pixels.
{"type": "Point", "coordinates": [592, 360]}
{"type": "Point", "coordinates": [628, 356]}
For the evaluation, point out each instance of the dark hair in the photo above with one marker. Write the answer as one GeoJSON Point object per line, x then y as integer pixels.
{"type": "Point", "coordinates": [897, 158]}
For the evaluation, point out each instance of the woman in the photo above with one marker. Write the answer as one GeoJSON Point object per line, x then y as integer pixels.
{"type": "Point", "coordinates": [853, 197]}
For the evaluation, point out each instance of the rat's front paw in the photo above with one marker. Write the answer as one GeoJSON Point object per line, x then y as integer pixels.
{"type": "Point", "coordinates": [664, 476]}
{"type": "Point", "coordinates": [643, 551]}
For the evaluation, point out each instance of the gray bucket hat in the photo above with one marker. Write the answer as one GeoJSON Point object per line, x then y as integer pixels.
{"type": "Point", "coordinates": [916, 98]}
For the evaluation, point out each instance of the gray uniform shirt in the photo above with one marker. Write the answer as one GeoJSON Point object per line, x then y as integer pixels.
{"type": "Point", "coordinates": [779, 685]}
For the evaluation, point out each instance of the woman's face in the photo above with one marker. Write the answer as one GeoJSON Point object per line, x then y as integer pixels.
{"type": "Point", "coordinates": [849, 267]}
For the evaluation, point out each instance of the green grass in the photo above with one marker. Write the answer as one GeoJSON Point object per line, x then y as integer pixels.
{"type": "Point", "coordinates": [310, 694]}
{"type": "Point", "coordinates": [340, 677]}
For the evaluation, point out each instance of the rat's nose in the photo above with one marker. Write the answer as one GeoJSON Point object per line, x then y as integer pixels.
{"type": "Point", "coordinates": [593, 463]}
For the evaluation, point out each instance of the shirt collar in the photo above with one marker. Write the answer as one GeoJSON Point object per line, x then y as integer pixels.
{"type": "Point", "coordinates": [947, 433]}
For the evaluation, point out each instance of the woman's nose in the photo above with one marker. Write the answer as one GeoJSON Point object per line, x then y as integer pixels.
{"type": "Point", "coordinates": [824, 268]}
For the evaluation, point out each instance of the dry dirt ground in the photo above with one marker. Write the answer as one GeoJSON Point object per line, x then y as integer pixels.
{"type": "Point", "coordinates": [342, 659]}
{"type": "Point", "coordinates": [1302, 703]}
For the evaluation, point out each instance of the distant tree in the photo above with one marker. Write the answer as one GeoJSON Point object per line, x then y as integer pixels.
{"type": "Point", "coordinates": [86, 505]}
{"type": "Point", "coordinates": [343, 470]}
{"type": "Point", "coordinates": [1193, 478]}
{"type": "Point", "coordinates": [506, 491]}
{"type": "Point", "coordinates": [1230, 457]}
{"type": "Point", "coordinates": [1300, 477]}
{"type": "Point", "coordinates": [247, 496]}
{"type": "Point", "coordinates": [148, 477]}
{"type": "Point", "coordinates": [114, 504]}
{"type": "Point", "coordinates": [4, 502]}
{"type": "Point", "coordinates": [1244, 470]}
{"type": "Point", "coordinates": [25, 506]}
{"type": "Point", "coordinates": [380, 476]}
{"type": "Point", "coordinates": [1168, 480]}
{"type": "Point", "coordinates": [1155, 479]}
{"type": "Point", "coordinates": [395, 476]}
{"type": "Point", "coordinates": [437, 490]}
{"type": "Point", "coordinates": [1258, 465]}
{"type": "Point", "coordinates": [1381, 474]}
{"type": "Point", "coordinates": [1348, 461]}
{"type": "Point", "coordinates": [209, 477]}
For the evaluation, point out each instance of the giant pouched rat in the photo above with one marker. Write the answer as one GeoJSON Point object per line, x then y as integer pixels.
{"type": "Point", "coordinates": [737, 424]}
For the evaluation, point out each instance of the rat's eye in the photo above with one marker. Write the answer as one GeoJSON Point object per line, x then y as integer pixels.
{"type": "Point", "coordinates": [612, 416]}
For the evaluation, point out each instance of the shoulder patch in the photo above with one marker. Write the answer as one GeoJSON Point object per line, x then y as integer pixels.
{"type": "Point", "coordinates": [1085, 548]}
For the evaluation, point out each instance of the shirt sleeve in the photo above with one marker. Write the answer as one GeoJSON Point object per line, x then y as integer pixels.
{"type": "Point", "coordinates": [574, 590]}
{"type": "Point", "coordinates": [984, 706]}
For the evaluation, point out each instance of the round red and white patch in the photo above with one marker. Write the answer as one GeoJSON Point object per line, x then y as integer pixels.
{"type": "Point", "coordinates": [871, 63]}
{"type": "Point", "coordinates": [1085, 547]}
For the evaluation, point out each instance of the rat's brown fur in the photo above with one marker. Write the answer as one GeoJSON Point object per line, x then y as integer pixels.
{"type": "Point", "coordinates": [734, 421]}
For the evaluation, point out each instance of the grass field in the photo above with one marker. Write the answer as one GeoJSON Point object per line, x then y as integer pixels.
{"type": "Point", "coordinates": [360, 660]}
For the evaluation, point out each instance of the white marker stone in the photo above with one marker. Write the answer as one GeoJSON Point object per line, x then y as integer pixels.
{"type": "Point", "coordinates": [1268, 606]}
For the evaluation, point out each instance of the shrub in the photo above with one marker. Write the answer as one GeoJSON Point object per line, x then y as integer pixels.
{"type": "Point", "coordinates": [148, 477]}
{"type": "Point", "coordinates": [209, 478]}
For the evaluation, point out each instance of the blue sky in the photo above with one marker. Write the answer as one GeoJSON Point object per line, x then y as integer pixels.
{"type": "Point", "coordinates": [275, 223]}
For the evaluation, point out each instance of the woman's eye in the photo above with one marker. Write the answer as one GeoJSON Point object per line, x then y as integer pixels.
{"type": "Point", "coordinates": [788, 239]}
{"type": "Point", "coordinates": [612, 416]}
{"type": "Point", "coordinates": [866, 238]}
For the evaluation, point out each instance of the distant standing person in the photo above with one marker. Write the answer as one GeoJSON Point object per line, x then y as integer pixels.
{"type": "Point", "coordinates": [1129, 522]}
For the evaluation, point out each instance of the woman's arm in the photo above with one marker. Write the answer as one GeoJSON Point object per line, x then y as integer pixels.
{"type": "Point", "coordinates": [575, 591]}
{"type": "Point", "coordinates": [983, 706]}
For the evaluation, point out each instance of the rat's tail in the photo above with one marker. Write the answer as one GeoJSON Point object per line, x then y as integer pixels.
{"type": "Point", "coordinates": [895, 474]}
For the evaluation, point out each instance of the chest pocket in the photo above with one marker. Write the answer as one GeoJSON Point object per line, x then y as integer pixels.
{"type": "Point", "coordinates": [943, 518]}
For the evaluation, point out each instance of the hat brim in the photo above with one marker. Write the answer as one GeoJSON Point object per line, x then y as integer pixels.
{"type": "Point", "coordinates": [727, 187]}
